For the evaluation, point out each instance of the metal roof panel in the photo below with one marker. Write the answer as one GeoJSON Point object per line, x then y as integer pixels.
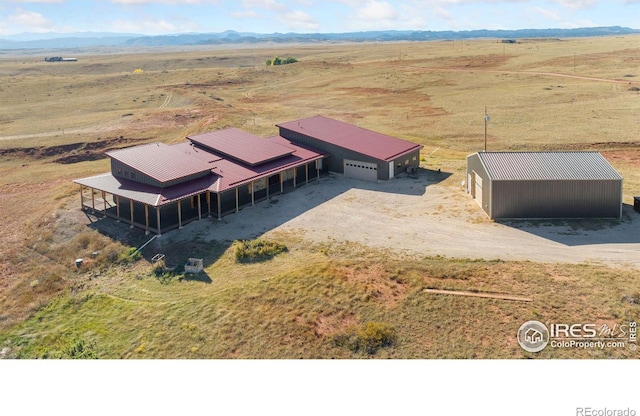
{"type": "Point", "coordinates": [241, 145]}
{"type": "Point", "coordinates": [367, 142]}
{"type": "Point", "coordinates": [160, 162]}
{"type": "Point", "coordinates": [548, 166]}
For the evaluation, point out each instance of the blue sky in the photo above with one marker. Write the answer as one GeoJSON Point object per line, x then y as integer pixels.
{"type": "Point", "coordinates": [269, 16]}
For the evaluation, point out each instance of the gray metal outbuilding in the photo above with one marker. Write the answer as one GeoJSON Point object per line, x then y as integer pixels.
{"type": "Point", "coordinates": [544, 185]}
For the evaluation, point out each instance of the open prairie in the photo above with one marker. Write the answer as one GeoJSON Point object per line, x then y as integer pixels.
{"type": "Point", "coordinates": [314, 300]}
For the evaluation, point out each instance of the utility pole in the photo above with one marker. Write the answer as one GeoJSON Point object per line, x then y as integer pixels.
{"type": "Point", "coordinates": [486, 120]}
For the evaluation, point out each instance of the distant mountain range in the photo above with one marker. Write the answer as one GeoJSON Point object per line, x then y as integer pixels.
{"type": "Point", "coordinates": [93, 39]}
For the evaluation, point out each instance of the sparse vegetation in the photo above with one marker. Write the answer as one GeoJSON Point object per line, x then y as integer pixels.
{"type": "Point", "coordinates": [280, 61]}
{"type": "Point", "coordinates": [368, 338]}
{"type": "Point", "coordinates": [256, 250]}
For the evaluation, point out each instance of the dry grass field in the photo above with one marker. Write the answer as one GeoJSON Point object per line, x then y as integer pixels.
{"type": "Point", "coordinates": [57, 120]}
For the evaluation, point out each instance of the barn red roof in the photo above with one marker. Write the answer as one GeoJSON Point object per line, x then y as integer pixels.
{"type": "Point", "coordinates": [242, 146]}
{"type": "Point", "coordinates": [159, 161]}
{"type": "Point", "coordinates": [226, 174]}
{"type": "Point", "coordinates": [367, 142]}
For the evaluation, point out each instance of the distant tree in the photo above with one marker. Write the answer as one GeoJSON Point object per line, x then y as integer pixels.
{"type": "Point", "coordinates": [280, 61]}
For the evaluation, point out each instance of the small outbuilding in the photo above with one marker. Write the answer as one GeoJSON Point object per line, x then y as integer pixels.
{"type": "Point", "coordinates": [510, 185]}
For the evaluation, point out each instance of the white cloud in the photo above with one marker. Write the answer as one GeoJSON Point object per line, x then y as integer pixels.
{"type": "Point", "coordinates": [299, 20]}
{"type": "Point", "coordinates": [31, 21]}
{"type": "Point", "coordinates": [246, 14]}
{"type": "Point", "coordinates": [377, 10]}
{"type": "Point", "coordinates": [150, 26]}
{"type": "Point", "coordinates": [169, 2]}
{"type": "Point", "coordinates": [576, 4]}
{"type": "Point", "coordinates": [546, 13]}
{"type": "Point", "coordinates": [271, 5]}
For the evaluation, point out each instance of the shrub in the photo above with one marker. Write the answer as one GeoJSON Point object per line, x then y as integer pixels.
{"type": "Point", "coordinates": [256, 250]}
{"type": "Point", "coordinates": [369, 338]}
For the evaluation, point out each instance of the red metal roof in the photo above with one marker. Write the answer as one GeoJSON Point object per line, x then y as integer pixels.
{"type": "Point", "coordinates": [367, 142]}
{"type": "Point", "coordinates": [159, 161]}
{"type": "Point", "coordinates": [227, 174]}
{"type": "Point", "coordinates": [240, 145]}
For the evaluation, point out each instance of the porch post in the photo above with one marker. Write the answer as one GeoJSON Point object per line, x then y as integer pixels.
{"type": "Point", "coordinates": [93, 199]}
{"type": "Point", "coordinates": [306, 172]}
{"type": "Point", "coordinates": [252, 194]}
{"type": "Point", "coordinates": [317, 170]}
{"type": "Point", "coordinates": [266, 180]}
{"type": "Point", "coordinates": [219, 206]}
{"type": "Point", "coordinates": [131, 210]}
{"type": "Point", "coordinates": [104, 203]}
{"type": "Point", "coordinates": [81, 198]}
{"type": "Point", "coordinates": [209, 203]}
{"type": "Point", "coordinates": [118, 207]}
{"type": "Point", "coordinates": [295, 175]}
{"type": "Point", "coordinates": [281, 182]}
{"type": "Point", "coordinates": [199, 208]}
{"type": "Point", "coordinates": [237, 204]}
{"type": "Point", "coordinates": [158, 219]}
{"type": "Point", "coordinates": [179, 214]}
{"type": "Point", "coordinates": [146, 219]}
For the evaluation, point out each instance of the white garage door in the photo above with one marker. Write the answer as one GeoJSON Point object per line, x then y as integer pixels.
{"type": "Point", "coordinates": [360, 170]}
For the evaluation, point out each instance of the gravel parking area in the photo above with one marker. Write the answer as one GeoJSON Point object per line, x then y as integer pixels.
{"type": "Point", "coordinates": [425, 215]}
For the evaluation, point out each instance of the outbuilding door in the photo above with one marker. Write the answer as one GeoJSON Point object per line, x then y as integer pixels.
{"type": "Point", "coordinates": [477, 188]}
{"type": "Point", "coordinates": [360, 170]}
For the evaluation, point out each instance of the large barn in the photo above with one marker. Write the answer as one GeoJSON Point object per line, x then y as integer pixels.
{"type": "Point", "coordinates": [160, 187]}
{"type": "Point", "coordinates": [544, 185]}
{"type": "Point", "coordinates": [354, 151]}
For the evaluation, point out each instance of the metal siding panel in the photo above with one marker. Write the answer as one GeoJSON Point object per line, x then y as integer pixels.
{"type": "Point", "coordinates": [474, 164]}
{"type": "Point", "coordinates": [556, 199]}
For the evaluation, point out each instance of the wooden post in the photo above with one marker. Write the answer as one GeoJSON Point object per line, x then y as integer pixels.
{"type": "Point", "coordinates": [237, 203]}
{"type": "Point", "coordinates": [199, 208]}
{"type": "Point", "coordinates": [317, 170]}
{"type": "Point", "coordinates": [306, 172]}
{"type": "Point", "coordinates": [179, 214]}
{"type": "Point", "coordinates": [266, 180]}
{"type": "Point", "coordinates": [219, 206]}
{"type": "Point", "coordinates": [131, 210]}
{"type": "Point", "coordinates": [104, 203]}
{"type": "Point", "coordinates": [81, 198]}
{"type": "Point", "coordinates": [158, 219]}
{"type": "Point", "coordinates": [93, 199]}
{"type": "Point", "coordinates": [295, 175]}
{"type": "Point", "coordinates": [253, 198]}
{"type": "Point", "coordinates": [146, 219]}
{"type": "Point", "coordinates": [281, 182]}
{"type": "Point", "coordinates": [118, 208]}
{"type": "Point", "coordinates": [208, 203]}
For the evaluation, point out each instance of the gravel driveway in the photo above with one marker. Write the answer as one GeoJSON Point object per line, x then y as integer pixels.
{"type": "Point", "coordinates": [423, 214]}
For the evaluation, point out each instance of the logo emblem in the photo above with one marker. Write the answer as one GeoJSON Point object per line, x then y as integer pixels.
{"type": "Point", "coordinates": [533, 336]}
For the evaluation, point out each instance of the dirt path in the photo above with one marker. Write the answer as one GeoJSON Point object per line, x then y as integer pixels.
{"type": "Point", "coordinates": [534, 73]}
{"type": "Point", "coordinates": [418, 216]}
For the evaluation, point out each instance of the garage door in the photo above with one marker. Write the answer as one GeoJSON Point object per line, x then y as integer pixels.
{"type": "Point", "coordinates": [360, 170]}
